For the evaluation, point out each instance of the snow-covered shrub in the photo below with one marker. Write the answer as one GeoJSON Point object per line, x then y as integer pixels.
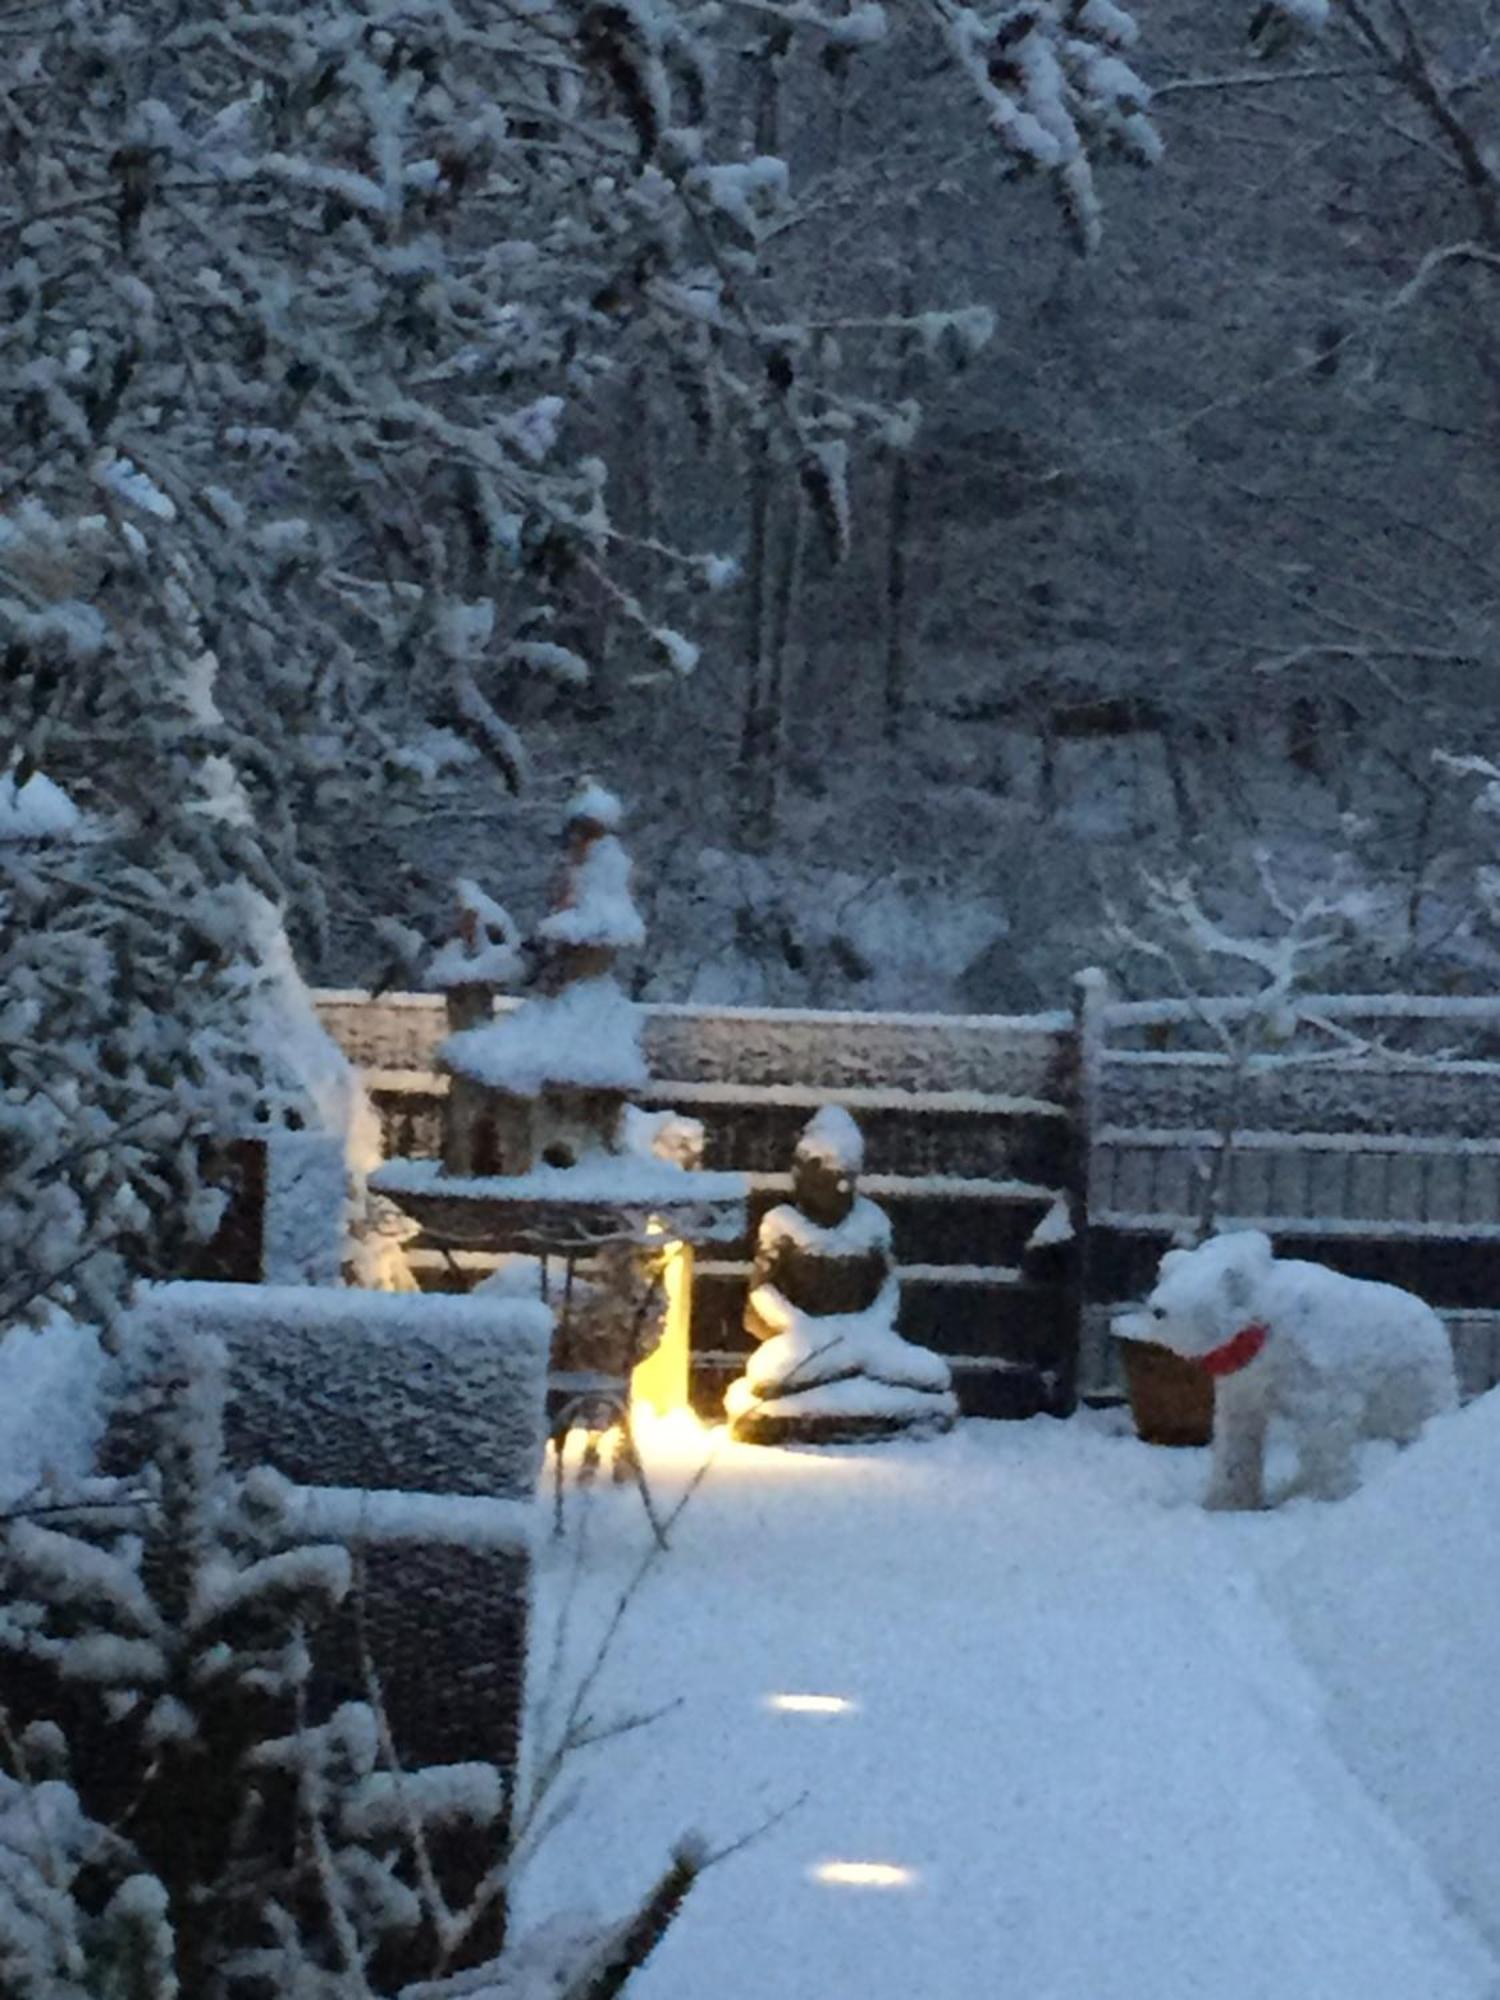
{"type": "Point", "coordinates": [330, 305]}
{"type": "Point", "coordinates": [124, 1042]}
{"type": "Point", "coordinates": [314, 321]}
{"type": "Point", "coordinates": [152, 1626]}
{"type": "Point", "coordinates": [1239, 984]}
{"type": "Point", "coordinates": [1054, 81]}
{"type": "Point", "coordinates": [174, 1818]}
{"type": "Point", "coordinates": [324, 304]}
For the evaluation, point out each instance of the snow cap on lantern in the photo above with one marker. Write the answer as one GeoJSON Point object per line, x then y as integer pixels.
{"type": "Point", "coordinates": [832, 1138]}
{"type": "Point", "coordinates": [592, 911]}
{"type": "Point", "coordinates": [594, 805]}
{"type": "Point", "coordinates": [546, 1083]}
{"type": "Point", "coordinates": [485, 947]}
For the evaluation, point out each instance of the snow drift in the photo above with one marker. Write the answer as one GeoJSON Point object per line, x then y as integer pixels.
{"type": "Point", "coordinates": [1395, 1603]}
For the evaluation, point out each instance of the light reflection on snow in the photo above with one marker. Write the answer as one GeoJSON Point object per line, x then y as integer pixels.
{"type": "Point", "coordinates": [863, 1875]}
{"type": "Point", "coordinates": [680, 1440]}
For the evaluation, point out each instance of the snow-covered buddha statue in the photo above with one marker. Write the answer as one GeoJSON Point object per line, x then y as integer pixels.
{"type": "Point", "coordinates": [831, 1366]}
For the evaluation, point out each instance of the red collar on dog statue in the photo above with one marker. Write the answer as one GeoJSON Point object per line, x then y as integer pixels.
{"type": "Point", "coordinates": [1237, 1352]}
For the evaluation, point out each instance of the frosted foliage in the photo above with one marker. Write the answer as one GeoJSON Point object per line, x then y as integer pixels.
{"type": "Point", "coordinates": [285, 383]}
{"type": "Point", "coordinates": [299, 1060]}
{"type": "Point", "coordinates": [51, 1411]}
{"type": "Point", "coordinates": [148, 999]}
{"type": "Point", "coordinates": [281, 363]}
{"type": "Point", "coordinates": [124, 1015]}
{"type": "Point", "coordinates": [377, 1260]}
{"type": "Point", "coordinates": [437, 1796]}
{"type": "Point", "coordinates": [1054, 85]}
{"type": "Point", "coordinates": [305, 1227]}
{"type": "Point", "coordinates": [58, 1944]}
{"type": "Point", "coordinates": [37, 810]}
{"type": "Point", "coordinates": [269, 1841]}
{"type": "Point", "coordinates": [593, 804]}
{"type": "Point", "coordinates": [156, 1607]}
{"type": "Point", "coordinates": [752, 193]}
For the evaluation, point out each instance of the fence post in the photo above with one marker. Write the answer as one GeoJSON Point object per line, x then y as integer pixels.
{"type": "Point", "coordinates": [1090, 1008]}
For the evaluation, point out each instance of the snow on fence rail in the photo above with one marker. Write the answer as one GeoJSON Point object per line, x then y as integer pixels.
{"type": "Point", "coordinates": [987, 1054]}
{"type": "Point", "coordinates": [1380, 1154]}
{"type": "Point", "coordinates": [1457, 1010]}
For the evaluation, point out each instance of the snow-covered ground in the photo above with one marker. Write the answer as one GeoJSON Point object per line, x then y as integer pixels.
{"type": "Point", "coordinates": [1081, 1740]}
{"type": "Point", "coordinates": [1079, 1724]}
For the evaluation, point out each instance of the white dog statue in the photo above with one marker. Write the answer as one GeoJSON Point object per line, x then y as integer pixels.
{"type": "Point", "coordinates": [1338, 1359]}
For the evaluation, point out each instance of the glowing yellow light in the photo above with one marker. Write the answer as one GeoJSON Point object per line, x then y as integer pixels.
{"type": "Point", "coordinates": [810, 1704]}
{"type": "Point", "coordinates": [863, 1875]}
{"type": "Point", "coordinates": [669, 1427]}
{"type": "Point", "coordinates": [661, 1380]}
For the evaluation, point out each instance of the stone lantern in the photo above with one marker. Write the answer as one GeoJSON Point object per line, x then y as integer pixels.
{"type": "Point", "coordinates": [544, 1155]}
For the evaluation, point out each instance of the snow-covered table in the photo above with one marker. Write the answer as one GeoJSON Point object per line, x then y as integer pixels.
{"type": "Point", "coordinates": [561, 1211]}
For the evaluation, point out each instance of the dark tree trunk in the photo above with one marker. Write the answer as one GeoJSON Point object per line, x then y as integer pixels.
{"type": "Point", "coordinates": [897, 655]}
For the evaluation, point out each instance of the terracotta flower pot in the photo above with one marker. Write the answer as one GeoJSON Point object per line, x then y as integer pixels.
{"type": "Point", "coordinates": [1172, 1400]}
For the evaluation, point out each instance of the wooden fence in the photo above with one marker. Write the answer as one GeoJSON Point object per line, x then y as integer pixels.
{"type": "Point", "coordinates": [1034, 1167]}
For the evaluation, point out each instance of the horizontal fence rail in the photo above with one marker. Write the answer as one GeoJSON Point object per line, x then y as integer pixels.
{"type": "Point", "coordinates": [1371, 1142]}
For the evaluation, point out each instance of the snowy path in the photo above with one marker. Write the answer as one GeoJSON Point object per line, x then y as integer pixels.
{"type": "Point", "coordinates": [1075, 1723]}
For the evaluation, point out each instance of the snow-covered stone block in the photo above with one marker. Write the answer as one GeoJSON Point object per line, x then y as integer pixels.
{"type": "Point", "coordinates": [422, 1392]}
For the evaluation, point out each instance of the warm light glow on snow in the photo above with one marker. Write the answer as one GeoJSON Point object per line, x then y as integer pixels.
{"type": "Point", "coordinates": [661, 1381]}
{"type": "Point", "coordinates": [668, 1427]}
{"type": "Point", "coordinates": [811, 1704]}
{"type": "Point", "coordinates": [863, 1875]}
